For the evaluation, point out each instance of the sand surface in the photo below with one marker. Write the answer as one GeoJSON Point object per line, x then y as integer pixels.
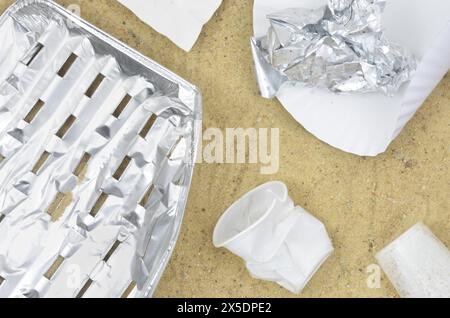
{"type": "Point", "coordinates": [364, 202]}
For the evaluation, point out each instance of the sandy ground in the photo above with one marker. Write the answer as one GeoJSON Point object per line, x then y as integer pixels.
{"type": "Point", "coordinates": [364, 202]}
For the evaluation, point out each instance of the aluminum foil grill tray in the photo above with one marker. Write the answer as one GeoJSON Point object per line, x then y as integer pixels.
{"type": "Point", "coordinates": [97, 150]}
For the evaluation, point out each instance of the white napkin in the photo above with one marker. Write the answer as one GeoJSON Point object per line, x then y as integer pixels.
{"type": "Point", "coordinates": [366, 124]}
{"type": "Point", "coordinates": [180, 20]}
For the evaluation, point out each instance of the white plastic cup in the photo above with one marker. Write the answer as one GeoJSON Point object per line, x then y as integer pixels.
{"type": "Point", "coordinates": [278, 241]}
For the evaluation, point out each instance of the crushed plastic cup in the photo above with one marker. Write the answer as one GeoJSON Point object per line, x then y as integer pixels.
{"type": "Point", "coordinates": [278, 241]}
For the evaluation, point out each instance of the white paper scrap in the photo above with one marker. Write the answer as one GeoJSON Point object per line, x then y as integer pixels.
{"type": "Point", "coordinates": [180, 20]}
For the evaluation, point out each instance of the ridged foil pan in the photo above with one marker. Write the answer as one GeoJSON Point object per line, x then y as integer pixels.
{"type": "Point", "coordinates": [97, 150]}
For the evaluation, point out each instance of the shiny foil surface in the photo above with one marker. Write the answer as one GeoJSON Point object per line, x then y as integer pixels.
{"type": "Point", "coordinates": [340, 47]}
{"type": "Point", "coordinates": [97, 150]}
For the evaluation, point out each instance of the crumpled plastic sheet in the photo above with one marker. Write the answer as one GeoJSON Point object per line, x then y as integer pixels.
{"type": "Point", "coordinates": [97, 148]}
{"type": "Point", "coordinates": [340, 47]}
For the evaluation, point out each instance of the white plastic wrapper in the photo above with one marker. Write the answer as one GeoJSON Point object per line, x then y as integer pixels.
{"type": "Point", "coordinates": [278, 241]}
{"type": "Point", "coordinates": [180, 20]}
{"type": "Point", "coordinates": [365, 125]}
{"type": "Point", "coordinates": [417, 264]}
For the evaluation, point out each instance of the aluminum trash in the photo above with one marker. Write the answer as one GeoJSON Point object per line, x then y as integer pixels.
{"type": "Point", "coordinates": [97, 150]}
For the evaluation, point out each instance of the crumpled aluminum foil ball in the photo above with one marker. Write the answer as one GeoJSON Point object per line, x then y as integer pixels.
{"type": "Point", "coordinates": [340, 47]}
